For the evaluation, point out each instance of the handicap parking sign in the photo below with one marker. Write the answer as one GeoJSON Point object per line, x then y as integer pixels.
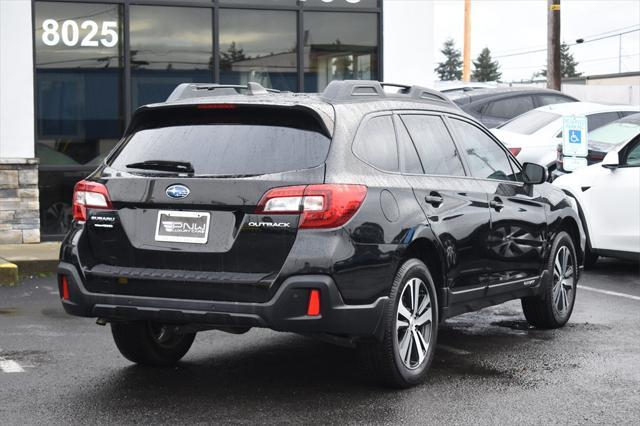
{"type": "Point", "coordinates": [574, 136]}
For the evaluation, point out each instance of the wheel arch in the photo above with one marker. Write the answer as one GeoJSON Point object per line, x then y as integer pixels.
{"type": "Point", "coordinates": [570, 226]}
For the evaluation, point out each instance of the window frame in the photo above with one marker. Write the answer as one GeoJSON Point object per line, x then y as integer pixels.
{"type": "Point", "coordinates": [510, 158]}
{"type": "Point", "coordinates": [624, 158]}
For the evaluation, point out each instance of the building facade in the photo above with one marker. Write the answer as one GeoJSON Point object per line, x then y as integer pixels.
{"type": "Point", "coordinates": [73, 72]}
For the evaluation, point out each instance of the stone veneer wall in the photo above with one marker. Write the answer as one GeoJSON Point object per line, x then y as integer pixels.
{"type": "Point", "coordinates": [19, 206]}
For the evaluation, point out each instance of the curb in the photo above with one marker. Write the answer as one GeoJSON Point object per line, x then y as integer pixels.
{"type": "Point", "coordinates": [8, 273]}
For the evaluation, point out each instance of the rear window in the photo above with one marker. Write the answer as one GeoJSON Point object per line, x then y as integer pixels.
{"type": "Point", "coordinates": [225, 142]}
{"type": "Point", "coordinates": [530, 122]}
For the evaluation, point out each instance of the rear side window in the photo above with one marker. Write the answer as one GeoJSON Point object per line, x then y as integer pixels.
{"type": "Point", "coordinates": [544, 100]}
{"type": "Point", "coordinates": [376, 144]}
{"type": "Point", "coordinates": [486, 159]}
{"type": "Point", "coordinates": [598, 120]}
{"type": "Point", "coordinates": [510, 107]}
{"type": "Point", "coordinates": [238, 141]}
{"type": "Point", "coordinates": [436, 149]}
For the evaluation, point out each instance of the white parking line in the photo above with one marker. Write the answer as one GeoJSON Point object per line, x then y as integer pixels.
{"type": "Point", "coordinates": [610, 293]}
{"type": "Point", "coordinates": [10, 366]}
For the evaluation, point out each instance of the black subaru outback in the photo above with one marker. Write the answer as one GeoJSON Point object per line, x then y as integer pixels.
{"type": "Point", "coordinates": [366, 215]}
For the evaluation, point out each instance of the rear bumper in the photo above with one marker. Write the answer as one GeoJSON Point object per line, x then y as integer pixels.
{"type": "Point", "coordinates": [286, 311]}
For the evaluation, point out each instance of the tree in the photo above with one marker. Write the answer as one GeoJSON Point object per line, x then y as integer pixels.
{"type": "Point", "coordinates": [485, 68]}
{"type": "Point", "coordinates": [451, 68]}
{"type": "Point", "coordinates": [568, 65]}
{"type": "Point", "coordinates": [233, 54]}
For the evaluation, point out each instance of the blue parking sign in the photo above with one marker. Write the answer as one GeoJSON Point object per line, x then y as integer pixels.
{"type": "Point", "coordinates": [575, 136]}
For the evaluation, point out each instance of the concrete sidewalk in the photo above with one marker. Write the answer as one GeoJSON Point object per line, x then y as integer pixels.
{"type": "Point", "coordinates": [25, 259]}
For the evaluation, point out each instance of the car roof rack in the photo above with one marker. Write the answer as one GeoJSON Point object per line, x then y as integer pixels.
{"type": "Point", "coordinates": [201, 90]}
{"type": "Point", "coordinates": [355, 90]}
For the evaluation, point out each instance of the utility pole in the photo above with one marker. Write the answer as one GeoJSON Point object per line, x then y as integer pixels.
{"type": "Point", "coordinates": [554, 76]}
{"type": "Point", "coordinates": [466, 58]}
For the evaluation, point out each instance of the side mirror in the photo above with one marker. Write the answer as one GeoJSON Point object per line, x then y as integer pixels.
{"type": "Point", "coordinates": [611, 160]}
{"type": "Point", "coordinates": [534, 174]}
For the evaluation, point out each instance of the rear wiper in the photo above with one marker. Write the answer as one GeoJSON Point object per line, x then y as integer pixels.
{"type": "Point", "coordinates": [166, 166]}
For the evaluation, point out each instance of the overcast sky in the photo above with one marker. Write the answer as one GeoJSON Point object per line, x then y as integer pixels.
{"type": "Point", "coordinates": [512, 26]}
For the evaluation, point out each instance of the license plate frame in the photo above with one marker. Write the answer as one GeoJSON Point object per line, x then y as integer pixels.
{"type": "Point", "coordinates": [181, 231]}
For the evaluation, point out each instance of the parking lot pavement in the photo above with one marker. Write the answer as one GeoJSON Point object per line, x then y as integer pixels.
{"type": "Point", "coordinates": [490, 367]}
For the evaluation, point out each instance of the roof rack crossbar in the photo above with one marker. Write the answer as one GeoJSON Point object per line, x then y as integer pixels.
{"type": "Point", "coordinates": [197, 90]}
{"type": "Point", "coordinates": [352, 90]}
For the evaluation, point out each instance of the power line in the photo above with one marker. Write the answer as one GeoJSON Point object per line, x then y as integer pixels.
{"type": "Point", "coordinates": [568, 44]}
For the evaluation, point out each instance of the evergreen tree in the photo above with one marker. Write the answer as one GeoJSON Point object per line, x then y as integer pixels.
{"type": "Point", "coordinates": [568, 65]}
{"type": "Point", "coordinates": [451, 68]}
{"type": "Point", "coordinates": [485, 68]}
{"type": "Point", "coordinates": [233, 54]}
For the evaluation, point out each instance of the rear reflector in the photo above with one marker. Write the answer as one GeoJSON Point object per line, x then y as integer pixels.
{"type": "Point", "coordinates": [313, 310]}
{"type": "Point", "coordinates": [89, 194]}
{"type": "Point", "coordinates": [64, 287]}
{"type": "Point", "coordinates": [515, 151]}
{"type": "Point", "coordinates": [319, 206]}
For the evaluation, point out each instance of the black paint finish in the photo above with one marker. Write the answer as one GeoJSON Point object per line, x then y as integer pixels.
{"type": "Point", "coordinates": [485, 241]}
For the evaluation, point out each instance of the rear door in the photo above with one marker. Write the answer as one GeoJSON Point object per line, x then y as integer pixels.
{"type": "Point", "coordinates": [456, 209]}
{"type": "Point", "coordinates": [202, 226]}
{"type": "Point", "coordinates": [517, 236]}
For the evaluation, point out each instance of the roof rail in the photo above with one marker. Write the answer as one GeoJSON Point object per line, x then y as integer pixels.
{"type": "Point", "coordinates": [354, 90]}
{"type": "Point", "coordinates": [198, 90]}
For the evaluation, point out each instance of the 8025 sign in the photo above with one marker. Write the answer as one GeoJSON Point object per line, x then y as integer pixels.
{"type": "Point", "coordinates": [69, 33]}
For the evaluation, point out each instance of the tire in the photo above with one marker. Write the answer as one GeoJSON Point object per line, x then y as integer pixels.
{"type": "Point", "coordinates": [553, 307]}
{"type": "Point", "coordinates": [149, 343]}
{"type": "Point", "coordinates": [403, 356]}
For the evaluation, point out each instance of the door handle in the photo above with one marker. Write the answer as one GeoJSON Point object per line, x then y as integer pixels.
{"type": "Point", "coordinates": [496, 204]}
{"type": "Point", "coordinates": [434, 199]}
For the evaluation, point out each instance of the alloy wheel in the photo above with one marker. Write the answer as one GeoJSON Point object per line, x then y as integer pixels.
{"type": "Point", "coordinates": [563, 281]}
{"type": "Point", "coordinates": [414, 320]}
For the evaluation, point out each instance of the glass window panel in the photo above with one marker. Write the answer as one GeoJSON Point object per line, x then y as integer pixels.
{"type": "Point", "coordinates": [437, 151]}
{"type": "Point", "coordinates": [485, 158]}
{"type": "Point", "coordinates": [169, 45]}
{"type": "Point", "coordinates": [258, 46]}
{"type": "Point", "coordinates": [260, 2]}
{"type": "Point", "coordinates": [339, 46]}
{"type": "Point", "coordinates": [78, 84]}
{"type": "Point", "coordinates": [341, 3]}
{"type": "Point", "coordinates": [376, 144]}
{"type": "Point", "coordinates": [510, 107]}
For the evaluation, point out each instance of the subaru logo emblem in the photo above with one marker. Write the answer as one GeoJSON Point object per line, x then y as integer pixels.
{"type": "Point", "coordinates": [177, 191]}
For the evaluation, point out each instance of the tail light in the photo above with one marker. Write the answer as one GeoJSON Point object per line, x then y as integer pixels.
{"type": "Point", "coordinates": [89, 194]}
{"type": "Point", "coordinates": [319, 206]}
{"type": "Point", "coordinates": [515, 151]}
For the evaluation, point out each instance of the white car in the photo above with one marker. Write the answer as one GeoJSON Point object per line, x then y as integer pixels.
{"type": "Point", "coordinates": [608, 196]}
{"type": "Point", "coordinates": [535, 135]}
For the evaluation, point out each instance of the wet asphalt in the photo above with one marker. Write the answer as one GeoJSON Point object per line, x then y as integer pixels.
{"type": "Point", "coordinates": [490, 368]}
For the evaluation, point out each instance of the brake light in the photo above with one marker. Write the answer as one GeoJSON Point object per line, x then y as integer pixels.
{"type": "Point", "coordinates": [515, 151]}
{"type": "Point", "coordinates": [319, 206]}
{"type": "Point", "coordinates": [89, 194]}
{"type": "Point", "coordinates": [216, 106]}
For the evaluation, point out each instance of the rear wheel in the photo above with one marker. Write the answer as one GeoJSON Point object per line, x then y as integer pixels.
{"type": "Point", "coordinates": [403, 356]}
{"type": "Point", "coordinates": [150, 343]}
{"type": "Point", "coordinates": [553, 307]}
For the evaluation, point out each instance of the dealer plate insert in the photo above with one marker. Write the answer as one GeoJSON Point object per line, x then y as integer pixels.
{"type": "Point", "coordinates": [183, 227]}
